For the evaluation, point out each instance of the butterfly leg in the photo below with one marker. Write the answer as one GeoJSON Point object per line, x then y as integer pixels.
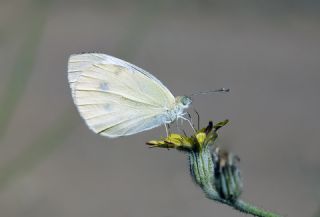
{"type": "Point", "coordinates": [191, 120]}
{"type": "Point", "coordinates": [169, 128]}
{"type": "Point", "coordinates": [198, 118]}
{"type": "Point", "coordinates": [184, 132]}
{"type": "Point", "coordinates": [178, 127]}
{"type": "Point", "coordinates": [166, 127]}
{"type": "Point", "coordinates": [188, 122]}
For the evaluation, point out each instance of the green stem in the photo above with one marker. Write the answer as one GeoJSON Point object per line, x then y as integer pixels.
{"type": "Point", "coordinates": [253, 210]}
{"type": "Point", "coordinates": [239, 205]}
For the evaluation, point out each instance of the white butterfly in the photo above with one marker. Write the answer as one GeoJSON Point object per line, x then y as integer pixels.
{"type": "Point", "coordinates": [116, 98]}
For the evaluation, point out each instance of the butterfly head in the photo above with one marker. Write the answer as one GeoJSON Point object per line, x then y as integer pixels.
{"type": "Point", "coordinates": [183, 101]}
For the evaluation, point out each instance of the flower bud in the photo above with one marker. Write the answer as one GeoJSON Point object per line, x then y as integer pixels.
{"type": "Point", "coordinates": [227, 179]}
{"type": "Point", "coordinates": [213, 169]}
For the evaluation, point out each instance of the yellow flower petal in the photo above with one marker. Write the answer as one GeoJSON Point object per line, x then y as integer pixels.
{"type": "Point", "coordinates": [201, 137]}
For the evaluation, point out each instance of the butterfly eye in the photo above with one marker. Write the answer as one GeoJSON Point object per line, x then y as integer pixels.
{"type": "Point", "coordinates": [185, 101]}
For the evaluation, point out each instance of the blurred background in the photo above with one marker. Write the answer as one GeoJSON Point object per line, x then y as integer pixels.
{"type": "Point", "coordinates": [266, 52]}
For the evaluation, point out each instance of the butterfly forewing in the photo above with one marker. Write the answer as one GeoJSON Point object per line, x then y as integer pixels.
{"type": "Point", "coordinates": [116, 98]}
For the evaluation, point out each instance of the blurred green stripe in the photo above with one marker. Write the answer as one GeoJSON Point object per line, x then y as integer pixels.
{"type": "Point", "coordinates": [40, 149]}
{"type": "Point", "coordinates": [317, 213]}
{"type": "Point", "coordinates": [56, 134]}
{"type": "Point", "coordinates": [23, 66]}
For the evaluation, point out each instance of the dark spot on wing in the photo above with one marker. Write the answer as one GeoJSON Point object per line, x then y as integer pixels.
{"type": "Point", "coordinates": [104, 86]}
{"type": "Point", "coordinates": [107, 107]}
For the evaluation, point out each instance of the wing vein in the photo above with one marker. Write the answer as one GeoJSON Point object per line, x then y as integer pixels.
{"type": "Point", "coordinates": [118, 94]}
{"type": "Point", "coordinates": [123, 121]}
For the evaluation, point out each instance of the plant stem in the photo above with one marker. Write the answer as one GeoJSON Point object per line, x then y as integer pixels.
{"type": "Point", "coordinates": [253, 210]}
{"type": "Point", "coordinates": [239, 205]}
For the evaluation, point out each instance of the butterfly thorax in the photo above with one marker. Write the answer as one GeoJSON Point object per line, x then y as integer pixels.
{"type": "Point", "coordinates": [177, 110]}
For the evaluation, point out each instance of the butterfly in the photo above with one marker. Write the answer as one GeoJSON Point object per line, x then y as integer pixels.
{"type": "Point", "coordinates": [117, 98]}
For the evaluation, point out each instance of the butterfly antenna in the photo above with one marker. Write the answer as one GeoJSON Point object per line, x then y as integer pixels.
{"type": "Point", "coordinates": [224, 90]}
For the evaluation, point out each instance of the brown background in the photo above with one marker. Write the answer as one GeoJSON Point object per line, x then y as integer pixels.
{"type": "Point", "coordinates": [267, 52]}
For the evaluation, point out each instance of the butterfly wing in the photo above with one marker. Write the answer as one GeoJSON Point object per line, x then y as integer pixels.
{"type": "Point", "coordinates": [116, 98]}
